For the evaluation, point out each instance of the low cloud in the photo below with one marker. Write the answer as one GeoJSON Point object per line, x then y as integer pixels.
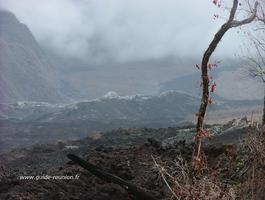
{"type": "Point", "coordinates": [237, 85]}
{"type": "Point", "coordinates": [122, 30]}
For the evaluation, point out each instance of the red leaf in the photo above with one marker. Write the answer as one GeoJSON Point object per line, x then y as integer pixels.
{"type": "Point", "coordinates": [213, 87]}
{"type": "Point", "coordinates": [215, 2]}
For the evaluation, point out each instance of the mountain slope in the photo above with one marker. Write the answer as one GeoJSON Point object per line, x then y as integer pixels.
{"type": "Point", "coordinates": [26, 74]}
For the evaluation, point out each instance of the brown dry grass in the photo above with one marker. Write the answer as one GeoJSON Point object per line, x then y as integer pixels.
{"type": "Point", "coordinates": [252, 186]}
{"type": "Point", "coordinates": [184, 185]}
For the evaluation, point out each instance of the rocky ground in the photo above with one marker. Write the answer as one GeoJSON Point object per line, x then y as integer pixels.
{"type": "Point", "coordinates": [123, 152]}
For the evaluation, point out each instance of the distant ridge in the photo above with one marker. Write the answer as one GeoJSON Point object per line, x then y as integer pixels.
{"type": "Point", "coordinates": [170, 106]}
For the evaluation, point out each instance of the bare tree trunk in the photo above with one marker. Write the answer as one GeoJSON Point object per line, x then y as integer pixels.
{"type": "Point", "coordinates": [263, 116]}
{"type": "Point", "coordinates": [205, 84]}
{"type": "Point", "coordinates": [205, 77]}
{"type": "Point", "coordinates": [204, 68]}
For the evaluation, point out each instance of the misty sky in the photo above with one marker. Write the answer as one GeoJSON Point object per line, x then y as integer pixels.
{"type": "Point", "coordinates": [131, 30]}
{"type": "Point", "coordinates": [123, 29]}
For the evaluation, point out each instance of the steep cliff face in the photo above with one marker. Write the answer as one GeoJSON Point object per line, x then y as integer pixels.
{"type": "Point", "coordinates": [25, 73]}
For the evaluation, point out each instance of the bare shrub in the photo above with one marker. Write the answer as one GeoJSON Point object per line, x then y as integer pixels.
{"type": "Point", "coordinates": [182, 185]}
{"type": "Point", "coordinates": [253, 152]}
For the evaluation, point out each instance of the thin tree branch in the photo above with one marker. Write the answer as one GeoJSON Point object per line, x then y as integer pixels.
{"type": "Point", "coordinates": [235, 23]}
{"type": "Point", "coordinates": [233, 11]}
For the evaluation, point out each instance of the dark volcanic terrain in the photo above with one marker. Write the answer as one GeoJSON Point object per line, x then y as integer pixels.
{"type": "Point", "coordinates": [124, 152]}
